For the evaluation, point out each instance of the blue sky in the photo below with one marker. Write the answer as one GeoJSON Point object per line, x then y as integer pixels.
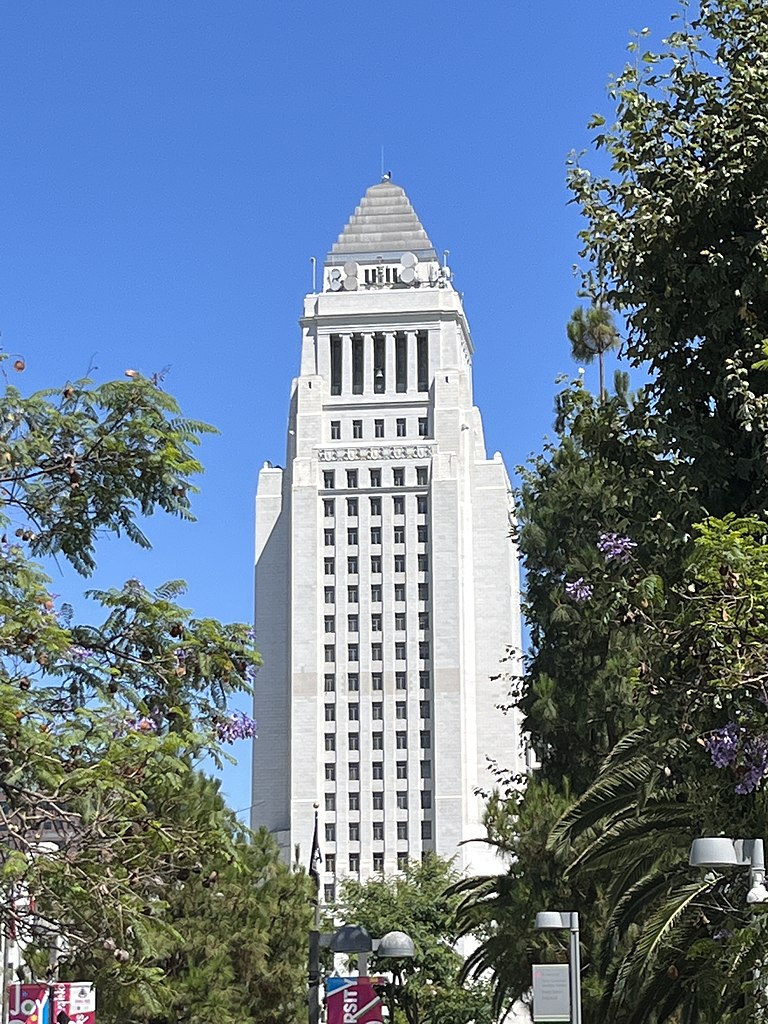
{"type": "Point", "coordinates": [168, 169]}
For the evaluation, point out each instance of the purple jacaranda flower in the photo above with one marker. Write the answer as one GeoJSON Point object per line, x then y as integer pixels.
{"type": "Point", "coordinates": [237, 726]}
{"type": "Point", "coordinates": [579, 590]}
{"type": "Point", "coordinates": [614, 547]}
{"type": "Point", "coordinates": [722, 745]}
{"type": "Point", "coordinates": [755, 755]}
{"type": "Point", "coordinates": [78, 653]}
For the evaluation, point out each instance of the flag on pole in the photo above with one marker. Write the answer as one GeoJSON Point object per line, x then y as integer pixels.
{"type": "Point", "coordinates": [315, 858]}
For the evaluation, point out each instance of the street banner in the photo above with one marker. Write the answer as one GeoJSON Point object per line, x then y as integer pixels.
{"type": "Point", "coordinates": [74, 1002]}
{"type": "Point", "coordinates": [29, 1004]}
{"type": "Point", "coordinates": [352, 1001]}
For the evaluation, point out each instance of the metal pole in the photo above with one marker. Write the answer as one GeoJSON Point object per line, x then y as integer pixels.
{"type": "Point", "coordinates": [5, 992]}
{"type": "Point", "coordinates": [313, 997]}
{"type": "Point", "coordinates": [574, 964]}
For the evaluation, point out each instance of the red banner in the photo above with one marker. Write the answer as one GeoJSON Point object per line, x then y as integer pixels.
{"type": "Point", "coordinates": [77, 999]}
{"type": "Point", "coordinates": [352, 1001]}
{"type": "Point", "coordinates": [28, 1004]}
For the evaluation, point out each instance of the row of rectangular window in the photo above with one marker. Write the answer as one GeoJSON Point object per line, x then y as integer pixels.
{"type": "Point", "coordinates": [377, 770]}
{"type": "Point", "coordinates": [398, 477]}
{"type": "Point", "coordinates": [377, 711]}
{"type": "Point", "coordinates": [377, 651]}
{"type": "Point", "coordinates": [398, 533]}
{"type": "Point", "coordinates": [353, 593]}
{"type": "Point", "coordinates": [377, 681]}
{"type": "Point", "coordinates": [401, 428]}
{"type": "Point", "coordinates": [377, 740]}
{"type": "Point", "coordinates": [353, 564]}
{"type": "Point", "coordinates": [398, 505]}
{"type": "Point", "coordinates": [353, 622]}
{"type": "Point", "coordinates": [377, 800]}
{"type": "Point", "coordinates": [329, 890]}
{"type": "Point", "coordinates": [377, 828]}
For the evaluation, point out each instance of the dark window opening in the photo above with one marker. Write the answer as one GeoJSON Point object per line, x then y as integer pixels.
{"type": "Point", "coordinates": [335, 364]}
{"type": "Point", "coordinates": [357, 364]}
{"type": "Point", "coordinates": [379, 365]}
{"type": "Point", "coordinates": [422, 361]}
{"type": "Point", "coordinates": [401, 362]}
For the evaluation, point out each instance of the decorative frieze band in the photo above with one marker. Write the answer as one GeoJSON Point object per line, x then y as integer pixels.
{"type": "Point", "coordinates": [375, 452]}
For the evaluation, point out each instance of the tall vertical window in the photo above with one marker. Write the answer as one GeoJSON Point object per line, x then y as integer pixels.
{"type": "Point", "coordinates": [423, 426]}
{"type": "Point", "coordinates": [400, 424]}
{"type": "Point", "coordinates": [335, 430]}
{"type": "Point", "coordinates": [357, 429]}
{"type": "Point", "coordinates": [401, 361]}
{"type": "Point", "coordinates": [357, 364]}
{"type": "Point", "coordinates": [379, 368]}
{"type": "Point", "coordinates": [335, 364]}
{"type": "Point", "coordinates": [422, 361]}
{"type": "Point", "coordinates": [378, 428]}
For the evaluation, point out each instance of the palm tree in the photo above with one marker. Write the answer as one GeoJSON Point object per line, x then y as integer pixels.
{"type": "Point", "coordinates": [592, 332]}
{"type": "Point", "coordinates": [676, 946]}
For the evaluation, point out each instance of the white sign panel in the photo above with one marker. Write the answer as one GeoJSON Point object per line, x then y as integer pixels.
{"type": "Point", "coordinates": [551, 992]}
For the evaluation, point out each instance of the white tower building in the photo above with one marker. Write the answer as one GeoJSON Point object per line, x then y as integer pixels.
{"type": "Point", "coordinates": [387, 590]}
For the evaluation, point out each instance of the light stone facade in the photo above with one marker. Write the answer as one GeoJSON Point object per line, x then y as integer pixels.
{"type": "Point", "coordinates": [387, 593]}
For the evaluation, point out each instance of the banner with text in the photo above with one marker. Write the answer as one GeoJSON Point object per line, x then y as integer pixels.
{"type": "Point", "coordinates": [29, 1004]}
{"type": "Point", "coordinates": [76, 1000]}
{"type": "Point", "coordinates": [352, 1001]}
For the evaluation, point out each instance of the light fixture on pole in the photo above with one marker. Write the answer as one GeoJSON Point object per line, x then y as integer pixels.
{"type": "Point", "coordinates": [354, 939]}
{"type": "Point", "coordinates": [556, 920]}
{"type": "Point", "coordinates": [719, 852]}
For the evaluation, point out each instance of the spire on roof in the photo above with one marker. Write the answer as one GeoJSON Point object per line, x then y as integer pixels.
{"type": "Point", "coordinates": [383, 223]}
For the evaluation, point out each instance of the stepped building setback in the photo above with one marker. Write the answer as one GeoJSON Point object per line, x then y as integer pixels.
{"type": "Point", "coordinates": [387, 591]}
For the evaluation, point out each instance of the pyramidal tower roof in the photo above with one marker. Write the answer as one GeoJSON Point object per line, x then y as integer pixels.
{"type": "Point", "coordinates": [384, 223]}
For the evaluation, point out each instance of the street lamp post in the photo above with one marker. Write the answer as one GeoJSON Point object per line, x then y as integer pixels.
{"type": "Point", "coordinates": [351, 938]}
{"type": "Point", "coordinates": [720, 852]}
{"type": "Point", "coordinates": [558, 921]}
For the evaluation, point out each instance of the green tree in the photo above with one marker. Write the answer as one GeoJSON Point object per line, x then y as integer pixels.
{"type": "Point", "coordinates": [592, 332]}
{"type": "Point", "coordinates": [231, 938]}
{"type": "Point", "coordinates": [102, 724]}
{"type": "Point", "coordinates": [676, 239]}
{"type": "Point", "coordinates": [426, 989]}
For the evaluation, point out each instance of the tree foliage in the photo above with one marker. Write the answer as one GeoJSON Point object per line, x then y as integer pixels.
{"type": "Point", "coordinates": [644, 538]}
{"type": "Point", "coordinates": [103, 724]}
{"type": "Point", "coordinates": [426, 989]}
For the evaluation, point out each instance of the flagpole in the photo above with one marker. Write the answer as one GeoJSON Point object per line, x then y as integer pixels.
{"type": "Point", "coordinates": [313, 1000]}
